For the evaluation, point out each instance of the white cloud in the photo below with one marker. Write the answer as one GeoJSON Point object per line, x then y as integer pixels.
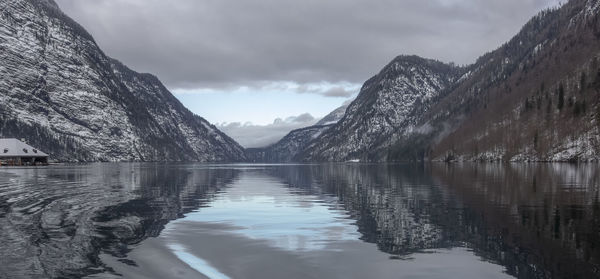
{"type": "Point", "coordinates": [326, 89]}
{"type": "Point", "coordinates": [250, 135]}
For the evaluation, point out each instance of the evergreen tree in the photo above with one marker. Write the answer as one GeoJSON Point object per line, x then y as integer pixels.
{"type": "Point", "coordinates": [582, 82]}
{"type": "Point", "coordinates": [577, 109]}
{"type": "Point", "coordinates": [561, 97]}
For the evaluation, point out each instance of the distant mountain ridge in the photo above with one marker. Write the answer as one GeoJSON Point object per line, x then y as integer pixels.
{"type": "Point", "coordinates": [287, 149]}
{"type": "Point", "coordinates": [61, 92]}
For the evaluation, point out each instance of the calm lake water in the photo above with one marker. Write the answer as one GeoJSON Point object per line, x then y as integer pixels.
{"type": "Point", "coordinates": [300, 221]}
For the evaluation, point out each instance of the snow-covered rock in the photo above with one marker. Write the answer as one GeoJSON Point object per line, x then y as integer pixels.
{"type": "Point", "coordinates": [63, 94]}
{"type": "Point", "coordinates": [389, 105]}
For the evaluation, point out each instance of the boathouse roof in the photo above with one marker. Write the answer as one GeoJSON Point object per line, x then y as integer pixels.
{"type": "Point", "coordinates": [10, 148]}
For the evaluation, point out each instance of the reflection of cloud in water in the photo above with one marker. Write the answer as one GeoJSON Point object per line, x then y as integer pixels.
{"type": "Point", "coordinates": [260, 208]}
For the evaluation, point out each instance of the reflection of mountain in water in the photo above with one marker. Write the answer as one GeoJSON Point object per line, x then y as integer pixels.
{"type": "Point", "coordinates": [393, 206]}
{"type": "Point", "coordinates": [539, 221]}
{"type": "Point", "coordinates": [75, 213]}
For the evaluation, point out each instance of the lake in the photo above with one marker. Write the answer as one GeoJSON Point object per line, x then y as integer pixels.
{"type": "Point", "coordinates": [153, 220]}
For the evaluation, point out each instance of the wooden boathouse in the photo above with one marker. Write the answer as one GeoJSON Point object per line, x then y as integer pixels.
{"type": "Point", "coordinates": [14, 152]}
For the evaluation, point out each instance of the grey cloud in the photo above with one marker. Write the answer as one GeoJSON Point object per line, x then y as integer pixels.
{"type": "Point", "coordinates": [214, 44]}
{"type": "Point", "coordinates": [303, 118]}
{"type": "Point", "coordinates": [336, 91]}
{"type": "Point", "coordinates": [250, 135]}
{"type": "Point", "coordinates": [339, 92]}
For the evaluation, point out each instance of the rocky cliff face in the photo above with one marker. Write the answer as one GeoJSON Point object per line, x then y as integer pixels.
{"type": "Point", "coordinates": [388, 107]}
{"type": "Point", "coordinates": [65, 96]}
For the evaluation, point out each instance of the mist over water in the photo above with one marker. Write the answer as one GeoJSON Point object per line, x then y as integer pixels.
{"type": "Point", "coordinates": [133, 220]}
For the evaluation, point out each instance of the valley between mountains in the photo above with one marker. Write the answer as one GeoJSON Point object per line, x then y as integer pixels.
{"type": "Point", "coordinates": [535, 98]}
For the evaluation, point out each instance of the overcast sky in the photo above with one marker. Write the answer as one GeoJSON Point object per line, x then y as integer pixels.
{"type": "Point", "coordinates": [258, 60]}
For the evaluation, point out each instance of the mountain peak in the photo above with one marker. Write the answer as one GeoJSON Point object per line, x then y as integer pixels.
{"type": "Point", "coordinates": [388, 104]}
{"type": "Point", "coordinates": [78, 104]}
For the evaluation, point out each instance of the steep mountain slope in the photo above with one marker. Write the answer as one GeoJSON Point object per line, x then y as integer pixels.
{"type": "Point", "coordinates": [388, 106]}
{"type": "Point", "coordinates": [64, 95]}
{"type": "Point", "coordinates": [536, 98]}
{"type": "Point", "coordinates": [290, 146]}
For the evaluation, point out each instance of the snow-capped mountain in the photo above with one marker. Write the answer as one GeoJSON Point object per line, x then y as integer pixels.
{"type": "Point", "coordinates": [388, 106]}
{"type": "Point", "coordinates": [64, 95]}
